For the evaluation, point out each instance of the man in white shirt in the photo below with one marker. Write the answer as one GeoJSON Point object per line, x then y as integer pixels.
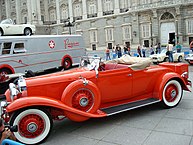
{"type": "Point", "coordinates": [170, 49]}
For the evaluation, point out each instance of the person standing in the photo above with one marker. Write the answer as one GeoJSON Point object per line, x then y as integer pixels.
{"type": "Point", "coordinates": [143, 50]}
{"type": "Point", "coordinates": [114, 52]}
{"type": "Point", "coordinates": [170, 50]}
{"type": "Point", "coordinates": [158, 48]}
{"type": "Point", "coordinates": [107, 51]}
{"type": "Point", "coordinates": [178, 47]}
{"type": "Point", "coordinates": [139, 51]}
{"type": "Point", "coordinates": [119, 52]}
{"type": "Point", "coordinates": [151, 50]}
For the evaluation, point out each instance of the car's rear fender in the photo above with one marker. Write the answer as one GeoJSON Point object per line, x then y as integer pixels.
{"type": "Point", "coordinates": [163, 79]}
{"type": "Point", "coordinates": [47, 102]}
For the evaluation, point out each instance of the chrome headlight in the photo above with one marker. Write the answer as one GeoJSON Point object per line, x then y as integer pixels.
{"type": "Point", "coordinates": [13, 90]}
{"type": "Point", "coordinates": [21, 84]}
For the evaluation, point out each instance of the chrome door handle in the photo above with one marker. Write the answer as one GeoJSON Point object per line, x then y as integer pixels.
{"type": "Point", "coordinates": [129, 75]}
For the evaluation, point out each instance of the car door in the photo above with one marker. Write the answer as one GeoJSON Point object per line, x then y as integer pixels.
{"type": "Point", "coordinates": [115, 84]}
{"type": "Point", "coordinates": [143, 83]}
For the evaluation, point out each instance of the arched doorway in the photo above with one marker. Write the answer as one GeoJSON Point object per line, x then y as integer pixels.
{"type": "Point", "coordinates": [167, 28]}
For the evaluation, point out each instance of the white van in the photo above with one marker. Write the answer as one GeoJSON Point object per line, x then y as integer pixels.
{"type": "Point", "coordinates": [40, 52]}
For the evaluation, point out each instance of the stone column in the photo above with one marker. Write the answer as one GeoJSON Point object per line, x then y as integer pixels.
{"type": "Point", "coordinates": [70, 10]}
{"type": "Point", "coordinates": [29, 11]}
{"type": "Point", "coordinates": [155, 27]}
{"type": "Point", "coordinates": [38, 11]}
{"type": "Point", "coordinates": [135, 28]}
{"type": "Point", "coordinates": [46, 16]}
{"type": "Point", "coordinates": [18, 14]}
{"type": "Point", "coordinates": [57, 11]}
{"type": "Point", "coordinates": [100, 8]}
{"type": "Point", "coordinates": [7, 8]}
{"type": "Point", "coordinates": [117, 8]}
{"type": "Point", "coordinates": [84, 9]}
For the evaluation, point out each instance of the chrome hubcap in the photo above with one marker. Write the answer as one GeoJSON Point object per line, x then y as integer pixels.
{"type": "Point", "coordinates": [173, 93]}
{"type": "Point", "coordinates": [32, 127]}
{"type": "Point", "coordinates": [84, 102]}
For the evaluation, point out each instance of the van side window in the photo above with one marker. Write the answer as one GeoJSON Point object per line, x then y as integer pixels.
{"type": "Point", "coordinates": [19, 48]}
{"type": "Point", "coordinates": [6, 48]}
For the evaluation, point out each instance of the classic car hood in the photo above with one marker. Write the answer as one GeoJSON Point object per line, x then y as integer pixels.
{"type": "Point", "coordinates": [60, 77]}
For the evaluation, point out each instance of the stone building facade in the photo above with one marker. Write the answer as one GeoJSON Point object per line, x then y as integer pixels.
{"type": "Point", "coordinates": [107, 22]}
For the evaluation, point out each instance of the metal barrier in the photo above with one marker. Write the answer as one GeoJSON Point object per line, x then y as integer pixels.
{"type": "Point", "coordinates": [10, 142]}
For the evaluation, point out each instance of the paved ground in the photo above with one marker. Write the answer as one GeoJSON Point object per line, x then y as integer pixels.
{"type": "Point", "coordinates": [149, 125]}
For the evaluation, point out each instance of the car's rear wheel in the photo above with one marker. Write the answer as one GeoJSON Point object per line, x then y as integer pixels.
{"type": "Point", "coordinates": [166, 59]}
{"type": "Point", "coordinates": [27, 32]}
{"type": "Point", "coordinates": [172, 94]}
{"type": "Point", "coordinates": [34, 125]}
{"type": "Point", "coordinates": [180, 59]}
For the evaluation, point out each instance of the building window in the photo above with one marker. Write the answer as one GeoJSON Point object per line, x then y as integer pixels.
{"type": "Point", "coordinates": [92, 7]}
{"type": "Point", "coordinates": [52, 15]}
{"type": "Point", "coordinates": [109, 34]}
{"type": "Point", "coordinates": [190, 26]}
{"type": "Point", "coordinates": [167, 16]}
{"type": "Point", "coordinates": [145, 2]}
{"type": "Point", "coordinates": [77, 10]}
{"type": "Point", "coordinates": [93, 36]}
{"type": "Point", "coordinates": [126, 32]}
{"type": "Point", "coordinates": [108, 5]}
{"type": "Point", "coordinates": [64, 13]}
{"type": "Point", "coordinates": [145, 30]}
{"type": "Point", "coordinates": [123, 4]}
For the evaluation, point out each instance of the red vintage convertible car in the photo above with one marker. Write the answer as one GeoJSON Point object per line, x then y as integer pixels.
{"type": "Point", "coordinates": [95, 89]}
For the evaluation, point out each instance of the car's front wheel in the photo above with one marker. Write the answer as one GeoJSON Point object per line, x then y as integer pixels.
{"type": "Point", "coordinates": [27, 32]}
{"type": "Point", "coordinates": [180, 59]}
{"type": "Point", "coordinates": [172, 94]}
{"type": "Point", "coordinates": [166, 59]}
{"type": "Point", "coordinates": [34, 125]}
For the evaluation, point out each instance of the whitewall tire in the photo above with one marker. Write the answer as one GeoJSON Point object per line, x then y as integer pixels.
{"type": "Point", "coordinates": [172, 94]}
{"type": "Point", "coordinates": [34, 125]}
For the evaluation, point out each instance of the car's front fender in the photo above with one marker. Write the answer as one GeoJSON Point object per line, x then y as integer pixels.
{"type": "Point", "coordinates": [50, 102]}
{"type": "Point", "coordinates": [163, 79]}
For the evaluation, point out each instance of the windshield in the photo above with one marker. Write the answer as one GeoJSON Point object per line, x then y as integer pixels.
{"type": "Point", "coordinates": [163, 51]}
{"type": "Point", "coordinates": [90, 62]}
{"type": "Point", "coordinates": [6, 21]}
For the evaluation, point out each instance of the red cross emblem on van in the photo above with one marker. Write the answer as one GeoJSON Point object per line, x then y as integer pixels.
{"type": "Point", "coordinates": [51, 44]}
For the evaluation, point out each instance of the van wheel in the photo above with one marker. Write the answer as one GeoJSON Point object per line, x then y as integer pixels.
{"type": "Point", "coordinates": [67, 63]}
{"type": "Point", "coordinates": [27, 32]}
{"type": "Point", "coordinates": [34, 125]}
{"type": "Point", "coordinates": [5, 71]}
{"type": "Point", "coordinates": [1, 32]}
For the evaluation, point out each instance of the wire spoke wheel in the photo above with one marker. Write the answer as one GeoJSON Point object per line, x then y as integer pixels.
{"type": "Point", "coordinates": [34, 125]}
{"type": "Point", "coordinates": [172, 94]}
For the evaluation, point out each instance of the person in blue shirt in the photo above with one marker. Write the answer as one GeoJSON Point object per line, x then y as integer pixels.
{"type": "Point", "coordinates": [178, 47]}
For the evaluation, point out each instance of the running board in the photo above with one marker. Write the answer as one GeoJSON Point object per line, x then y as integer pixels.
{"type": "Point", "coordinates": [129, 106]}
